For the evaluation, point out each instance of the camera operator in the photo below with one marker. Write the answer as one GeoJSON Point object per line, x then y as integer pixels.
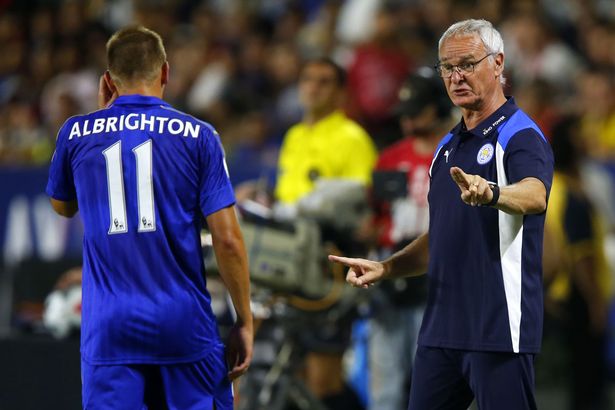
{"type": "Point", "coordinates": [397, 306]}
{"type": "Point", "coordinates": [324, 145]}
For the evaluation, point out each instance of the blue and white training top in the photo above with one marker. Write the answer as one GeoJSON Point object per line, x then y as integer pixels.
{"type": "Point", "coordinates": [485, 266]}
{"type": "Point", "coordinates": [144, 175]}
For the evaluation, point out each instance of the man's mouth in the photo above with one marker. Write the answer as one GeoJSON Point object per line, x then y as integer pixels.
{"type": "Point", "coordinates": [461, 91]}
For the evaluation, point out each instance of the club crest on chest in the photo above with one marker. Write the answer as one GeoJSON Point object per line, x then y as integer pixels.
{"type": "Point", "coordinates": [485, 153]}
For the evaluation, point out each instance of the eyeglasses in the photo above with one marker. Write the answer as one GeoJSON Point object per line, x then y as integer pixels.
{"type": "Point", "coordinates": [446, 70]}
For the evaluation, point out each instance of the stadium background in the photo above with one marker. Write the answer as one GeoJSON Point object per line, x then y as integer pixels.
{"type": "Point", "coordinates": [235, 63]}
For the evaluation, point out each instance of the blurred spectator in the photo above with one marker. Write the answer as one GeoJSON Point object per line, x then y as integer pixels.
{"type": "Point", "coordinates": [356, 21]}
{"type": "Point", "coordinates": [187, 50]}
{"type": "Point", "coordinates": [13, 53]}
{"type": "Point", "coordinates": [597, 41]}
{"type": "Point", "coordinates": [324, 145]}
{"type": "Point", "coordinates": [534, 52]}
{"type": "Point", "coordinates": [22, 139]}
{"type": "Point", "coordinates": [536, 99]}
{"type": "Point", "coordinates": [254, 157]}
{"type": "Point", "coordinates": [581, 282]}
{"type": "Point", "coordinates": [283, 64]}
{"type": "Point", "coordinates": [378, 69]}
{"type": "Point", "coordinates": [317, 36]}
{"type": "Point", "coordinates": [597, 108]}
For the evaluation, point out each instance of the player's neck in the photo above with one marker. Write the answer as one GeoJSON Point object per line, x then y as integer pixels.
{"type": "Point", "coordinates": [149, 91]}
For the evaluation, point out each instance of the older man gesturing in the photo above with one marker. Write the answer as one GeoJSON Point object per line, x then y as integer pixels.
{"type": "Point", "coordinates": [483, 251]}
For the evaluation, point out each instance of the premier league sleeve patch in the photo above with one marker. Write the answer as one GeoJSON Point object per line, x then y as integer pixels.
{"type": "Point", "coordinates": [485, 153]}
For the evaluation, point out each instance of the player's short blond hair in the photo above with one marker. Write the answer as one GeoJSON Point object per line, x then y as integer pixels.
{"type": "Point", "coordinates": [134, 55]}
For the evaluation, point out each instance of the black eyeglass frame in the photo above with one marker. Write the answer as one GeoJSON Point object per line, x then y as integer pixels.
{"type": "Point", "coordinates": [456, 67]}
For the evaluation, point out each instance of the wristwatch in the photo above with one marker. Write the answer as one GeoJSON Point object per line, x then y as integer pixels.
{"type": "Point", "coordinates": [495, 188]}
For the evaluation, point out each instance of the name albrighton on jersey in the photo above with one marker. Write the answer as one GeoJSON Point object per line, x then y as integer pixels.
{"type": "Point", "coordinates": [133, 122]}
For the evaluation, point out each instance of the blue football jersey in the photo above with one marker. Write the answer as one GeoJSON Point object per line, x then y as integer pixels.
{"type": "Point", "coordinates": [485, 266]}
{"type": "Point", "coordinates": [144, 175]}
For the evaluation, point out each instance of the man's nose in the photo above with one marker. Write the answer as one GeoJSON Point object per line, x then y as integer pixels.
{"type": "Point", "coordinates": [456, 76]}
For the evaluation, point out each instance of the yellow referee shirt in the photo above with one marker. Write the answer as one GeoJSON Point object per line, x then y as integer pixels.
{"type": "Point", "coordinates": [334, 147]}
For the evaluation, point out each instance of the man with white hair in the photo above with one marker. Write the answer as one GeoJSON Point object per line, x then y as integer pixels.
{"type": "Point", "coordinates": [483, 322]}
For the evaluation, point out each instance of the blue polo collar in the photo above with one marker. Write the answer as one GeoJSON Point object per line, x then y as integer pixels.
{"type": "Point", "coordinates": [491, 123]}
{"type": "Point", "coordinates": [137, 99]}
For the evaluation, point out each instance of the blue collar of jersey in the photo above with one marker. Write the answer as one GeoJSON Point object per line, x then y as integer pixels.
{"type": "Point", "coordinates": [491, 123]}
{"type": "Point", "coordinates": [137, 99]}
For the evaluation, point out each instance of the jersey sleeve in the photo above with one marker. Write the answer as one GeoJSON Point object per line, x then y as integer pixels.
{"type": "Point", "coordinates": [60, 184]}
{"type": "Point", "coordinates": [529, 155]}
{"type": "Point", "coordinates": [215, 190]}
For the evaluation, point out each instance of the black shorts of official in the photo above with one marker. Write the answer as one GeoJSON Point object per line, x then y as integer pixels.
{"type": "Point", "coordinates": [449, 379]}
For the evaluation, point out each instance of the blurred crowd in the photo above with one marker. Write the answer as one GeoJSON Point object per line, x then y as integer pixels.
{"type": "Point", "coordinates": [235, 63]}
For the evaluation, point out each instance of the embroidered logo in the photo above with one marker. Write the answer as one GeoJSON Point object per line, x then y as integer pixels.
{"type": "Point", "coordinates": [485, 153]}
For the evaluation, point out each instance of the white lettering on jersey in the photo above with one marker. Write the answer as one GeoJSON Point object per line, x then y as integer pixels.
{"type": "Point", "coordinates": [85, 128]}
{"type": "Point", "coordinates": [161, 121]}
{"type": "Point", "coordinates": [74, 131]}
{"type": "Point", "coordinates": [142, 122]}
{"type": "Point", "coordinates": [145, 121]}
{"type": "Point", "coordinates": [111, 121]}
{"type": "Point", "coordinates": [134, 125]}
{"type": "Point", "coordinates": [192, 129]}
{"type": "Point", "coordinates": [176, 131]}
{"type": "Point", "coordinates": [99, 125]}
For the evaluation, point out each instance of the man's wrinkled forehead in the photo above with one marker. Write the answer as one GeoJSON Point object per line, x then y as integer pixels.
{"type": "Point", "coordinates": [460, 48]}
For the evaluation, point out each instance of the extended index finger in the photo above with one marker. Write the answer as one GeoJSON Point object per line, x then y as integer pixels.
{"type": "Point", "coordinates": [350, 262]}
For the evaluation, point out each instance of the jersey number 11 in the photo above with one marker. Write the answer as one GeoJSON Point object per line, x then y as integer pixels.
{"type": "Point", "coordinates": [145, 188]}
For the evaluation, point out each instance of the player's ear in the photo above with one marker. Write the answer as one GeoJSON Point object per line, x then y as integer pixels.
{"type": "Point", "coordinates": [110, 84]}
{"type": "Point", "coordinates": [164, 71]}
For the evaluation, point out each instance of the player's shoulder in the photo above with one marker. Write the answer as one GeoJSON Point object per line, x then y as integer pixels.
{"type": "Point", "coordinates": [206, 129]}
{"type": "Point", "coordinates": [71, 121]}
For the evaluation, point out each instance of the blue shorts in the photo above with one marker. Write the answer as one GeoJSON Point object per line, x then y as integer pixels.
{"type": "Point", "coordinates": [448, 379]}
{"type": "Point", "coordinates": [202, 385]}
